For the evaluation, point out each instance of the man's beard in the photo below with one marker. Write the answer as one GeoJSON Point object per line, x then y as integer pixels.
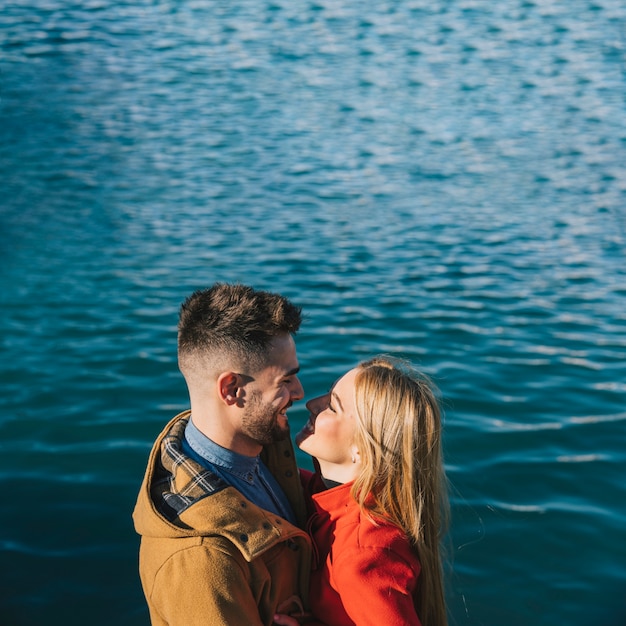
{"type": "Point", "coordinates": [260, 421]}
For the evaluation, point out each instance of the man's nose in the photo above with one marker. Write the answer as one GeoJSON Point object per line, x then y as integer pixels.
{"type": "Point", "coordinates": [297, 392]}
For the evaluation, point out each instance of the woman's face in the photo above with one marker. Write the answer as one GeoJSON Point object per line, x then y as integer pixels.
{"type": "Point", "coordinates": [329, 433]}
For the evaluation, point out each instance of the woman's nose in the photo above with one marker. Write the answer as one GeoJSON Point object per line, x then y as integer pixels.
{"type": "Point", "coordinates": [316, 405]}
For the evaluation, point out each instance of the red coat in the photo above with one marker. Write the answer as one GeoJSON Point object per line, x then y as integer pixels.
{"type": "Point", "coordinates": [363, 574]}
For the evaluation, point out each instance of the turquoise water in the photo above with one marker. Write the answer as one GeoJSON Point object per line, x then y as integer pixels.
{"type": "Point", "coordinates": [443, 181]}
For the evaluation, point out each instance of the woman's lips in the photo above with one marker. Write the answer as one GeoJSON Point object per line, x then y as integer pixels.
{"type": "Point", "coordinates": [307, 430]}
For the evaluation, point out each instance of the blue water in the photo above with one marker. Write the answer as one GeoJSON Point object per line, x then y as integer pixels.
{"type": "Point", "coordinates": [440, 180]}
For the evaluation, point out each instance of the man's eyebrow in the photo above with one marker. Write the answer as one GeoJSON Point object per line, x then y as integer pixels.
{"type": "Point", "coordinates": [292, 372]}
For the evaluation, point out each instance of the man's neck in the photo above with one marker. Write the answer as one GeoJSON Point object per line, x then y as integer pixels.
{"type": "Point", "coordinates": [219, 428]}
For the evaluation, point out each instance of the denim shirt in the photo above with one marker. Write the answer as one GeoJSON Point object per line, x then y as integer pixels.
{"type": "Point", "coordinates": [249, 475]}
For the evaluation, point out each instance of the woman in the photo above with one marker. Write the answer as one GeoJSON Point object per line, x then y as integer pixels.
{"type": "Point", "coordinates": [378, 499]}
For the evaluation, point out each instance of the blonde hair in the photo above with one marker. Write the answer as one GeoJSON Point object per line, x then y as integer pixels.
{"type": "Point", "coordinates": [398, 435]}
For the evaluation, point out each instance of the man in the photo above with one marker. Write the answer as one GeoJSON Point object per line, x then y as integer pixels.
{"type": "Point", "coordinates": [221, 509]}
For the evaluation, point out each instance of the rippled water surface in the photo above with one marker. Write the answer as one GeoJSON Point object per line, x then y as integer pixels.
{"type": "Point", "coordinates": [443, 181]}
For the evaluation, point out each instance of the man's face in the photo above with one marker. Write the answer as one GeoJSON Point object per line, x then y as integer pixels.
{"type": "Point", "coordinates": [271, 392]}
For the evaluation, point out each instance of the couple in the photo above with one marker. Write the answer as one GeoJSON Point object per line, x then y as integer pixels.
{"type": "Point", "coordinates": [232, 533]}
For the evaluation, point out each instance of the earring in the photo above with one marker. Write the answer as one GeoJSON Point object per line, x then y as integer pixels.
{"type": "Point", "coordinates": [353, 459]}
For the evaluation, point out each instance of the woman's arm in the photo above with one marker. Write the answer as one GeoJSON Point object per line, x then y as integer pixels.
{"type": "Point", "coordinates": [377, 586]}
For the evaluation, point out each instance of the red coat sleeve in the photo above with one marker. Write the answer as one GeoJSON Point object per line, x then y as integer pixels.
{"type": "Point", "coordinates": [376, 586]}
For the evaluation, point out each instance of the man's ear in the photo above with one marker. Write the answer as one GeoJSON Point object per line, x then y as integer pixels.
{"type": "Point", "coordinates": [228, 387]}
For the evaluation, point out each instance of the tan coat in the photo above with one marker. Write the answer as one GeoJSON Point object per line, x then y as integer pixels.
{"type": "Point", "coordinates": [209, 556]}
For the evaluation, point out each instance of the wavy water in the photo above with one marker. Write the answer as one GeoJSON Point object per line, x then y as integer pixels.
{"type": "Point", "coordinates": [443, 181]}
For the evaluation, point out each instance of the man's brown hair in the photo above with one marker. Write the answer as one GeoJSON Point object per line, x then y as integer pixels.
{"type": "Point", "coordinates": [234, 320]}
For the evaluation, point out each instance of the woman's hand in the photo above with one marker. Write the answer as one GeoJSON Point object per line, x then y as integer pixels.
{"type": "Point", "coordinates": [285, 620]}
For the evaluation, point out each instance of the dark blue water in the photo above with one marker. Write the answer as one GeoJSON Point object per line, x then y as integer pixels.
{"type": "Point", "coordinates": [444, 181]}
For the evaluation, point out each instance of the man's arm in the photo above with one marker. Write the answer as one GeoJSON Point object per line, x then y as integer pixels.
{"type": "Point", "coordinates": [204, 586]}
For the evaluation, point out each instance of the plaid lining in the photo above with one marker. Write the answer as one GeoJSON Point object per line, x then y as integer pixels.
{"type": "Point", "coordinates": [179, 481]}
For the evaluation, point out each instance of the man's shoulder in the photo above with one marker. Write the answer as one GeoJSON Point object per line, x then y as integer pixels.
{"type": "Point", "coordinates": [179, 481]}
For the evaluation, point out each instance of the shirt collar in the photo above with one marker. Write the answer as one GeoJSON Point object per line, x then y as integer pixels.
{"type": "Point", "coordinates": [239, 465]}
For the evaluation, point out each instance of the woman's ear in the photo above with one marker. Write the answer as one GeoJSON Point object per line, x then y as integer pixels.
{"type": "Point", "coordinates": [228, 387]}
{"type": "Point", "coordinates": [356, 457]}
